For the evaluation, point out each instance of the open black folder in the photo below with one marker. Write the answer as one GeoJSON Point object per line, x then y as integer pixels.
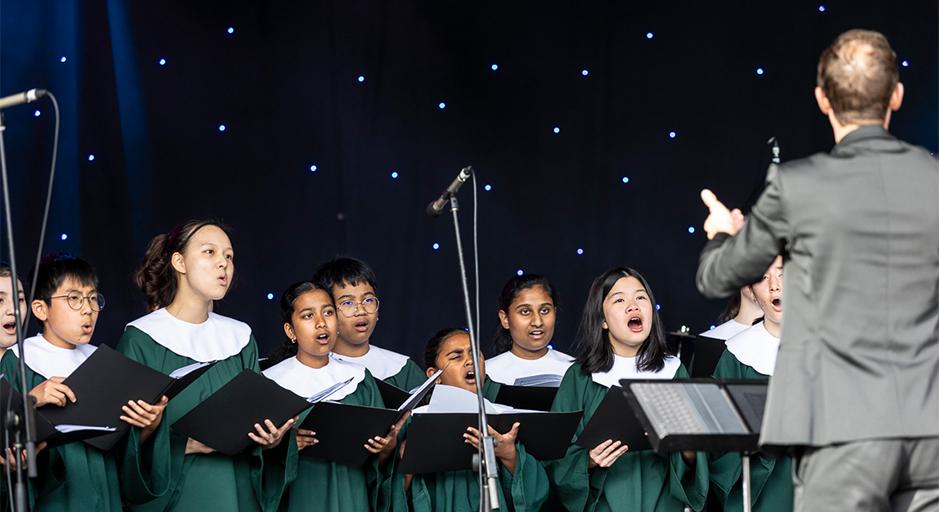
{"type": "Point", "coordinates": [11, 401]}
{"type": "Point", "coordinates": [103, 384]}
{"type": "Point", "coordinates": [223, 420]}
{"type": "Point", "coordinates": [342, 429]}
{"type": "Point", "coordinates": [435, 440]}
{"type": "Point", "coordinates": [614, 419]}
{"type": "Point", "coordinates": [699, 354]}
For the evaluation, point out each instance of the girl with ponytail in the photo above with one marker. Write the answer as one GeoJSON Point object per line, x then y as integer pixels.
{"type": "Point", "coordinates": [183, 273]}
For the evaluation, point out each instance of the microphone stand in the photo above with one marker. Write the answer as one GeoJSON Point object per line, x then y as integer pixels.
{"type": "Point", "coordinates": [26, 423]}
{"type": "Point", "coordinates": [484, 461]}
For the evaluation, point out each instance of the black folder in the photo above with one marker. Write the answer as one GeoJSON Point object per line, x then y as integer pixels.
{"type": "Point", "coordinates": [435, 441]}
{"type": "Point", "coordinates": [614, 419]}
{"type": "Point", "coordinates": [538, 398]}
{"type": "Point", "coordinates": [343, 429]}
{"type": "Point", "coordinates": [223, 420]}
{"type": "Point", "coordinates": [103, 384]}
{"type": "Point", "coordinates": [12, 401]}
{"type": "Point", "coordinates": [699, 354]}
{"type": "Point", "coordinates": [391, 395]}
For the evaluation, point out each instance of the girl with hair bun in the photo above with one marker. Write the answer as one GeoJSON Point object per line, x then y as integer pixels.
{"type": "Point", "coordinates": [183, 273]}
{"type": "Point", "coordinates": [306, 368]}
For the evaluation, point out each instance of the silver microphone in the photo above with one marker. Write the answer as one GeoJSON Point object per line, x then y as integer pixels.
{"type": "Point", "coordinates": [21, 98]}
{"type": "Point", "coordinates": [436, 207]}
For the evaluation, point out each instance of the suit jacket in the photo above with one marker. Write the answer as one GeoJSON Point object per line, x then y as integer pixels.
{"type": "Point", "coordinates": [858, 229]}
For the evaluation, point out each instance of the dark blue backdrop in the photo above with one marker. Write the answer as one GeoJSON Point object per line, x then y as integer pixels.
{"type": "Point", "coordinates": [145, 87]}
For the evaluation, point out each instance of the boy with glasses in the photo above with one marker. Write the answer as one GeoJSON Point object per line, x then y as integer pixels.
{"type": "Point", "coordinates": [353, 287]}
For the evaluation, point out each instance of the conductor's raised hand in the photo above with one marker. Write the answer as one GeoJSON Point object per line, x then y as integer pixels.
{"type": "Point", "coordinates": [606, 453]}
{"type": "Point", "coordinates": [52, 391]}
{"type": "Point", "coordinates": [269, 435]}
{"type": "Point", "coordinates": [720, 219]}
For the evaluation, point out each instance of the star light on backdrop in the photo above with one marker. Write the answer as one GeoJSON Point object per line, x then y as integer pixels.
{"type": "Point", "coordinates": [436, 246]}
{"type": "Point", "coordinates": [222, 127]}
{"type": "Point", "coordinates": [584, 72]}
{"type": "Point", "coordinates": [519, 272]}
{"type": "Point", "coordinates": [441, 105]}
{"type": "Point", "coordinates": [162, 61]}
{"type": "Point", "coordinates": [63, 236]}
{"type": "Point", "coordinates": [230, 30]}
{"type": "Point", "coordinates": [394, 175]}
{"type": "Point", "coordinates": [313, 168]}
{"type": "Point", "coordinates": [36, 113]}
{"type": "Point", "coordinates": [487, 187]}
{"type": "Point", "coordinates": [62, 59]}
{"type": "Point", "coordinates": [494, 67]}
{"type": "Point", "coordinates": [625, 180]}
{"type": "Point", "coordinates": [91, 158]}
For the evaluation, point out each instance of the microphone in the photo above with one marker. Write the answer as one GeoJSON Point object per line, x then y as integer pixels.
{"type": "Point", "coordinates": [436, 207]}
{"type": "Point", "coordinates": [21, 98]}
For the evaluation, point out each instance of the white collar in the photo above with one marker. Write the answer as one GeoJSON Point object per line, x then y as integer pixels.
{"type": "Point", "coordinates": [507, 367]}
{"type": "Point", "coordinates": [625, 368]}
{"type": "Point", "coordinates": [756, 348]}
{"type": "Point", "coordinates": [217, 338]}
{"type": "Point", "coordinates": [305, 381]}
{"type": "Point", "coordinates": [380, 362]}
{"type": "Point", "coordinates": [726, 330]}
{"type": "Point", "coordinates": [49, 360]}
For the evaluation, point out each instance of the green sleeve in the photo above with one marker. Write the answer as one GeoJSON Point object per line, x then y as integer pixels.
{"type": "Point", "coordinates": [528, 486]}
{"type": "Point", "coordinates": [569, 475]}
{"type": "Point", "coordinates": [409, 377]}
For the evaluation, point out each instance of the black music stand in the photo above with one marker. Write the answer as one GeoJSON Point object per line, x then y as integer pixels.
{"type": "Point", "coordinates": [701, 415]}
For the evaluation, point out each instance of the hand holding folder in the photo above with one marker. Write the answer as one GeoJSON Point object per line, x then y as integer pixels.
{"type": "Point", "coordinates": [224, 420]}
{"type": "Point", "coordinates": [341, 429]}
{"type": "Point", "coordinates": [614, 420]}
{"type": "Point", "coordinates": [103, 384]}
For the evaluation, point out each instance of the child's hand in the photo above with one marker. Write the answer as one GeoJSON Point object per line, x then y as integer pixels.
{"type": "Point", "coordinates": [504, 444]}
{"type": "Point", "coordinates": [193, 446]}
{"type": "Point", "coordinates": [10, 461]}
{"type": "Point", "coordinates": [52, 391]}
{"type": "Point", "coordinates": [385, 446]}
{"type": "Point", "coordinates": [144, 415]}
{"type": "Point", "coordinates": [305, 438]}
{"type": "Point", "coordinates": [606, 453]}
{"type": "Point", "coordinates": [270, 436]}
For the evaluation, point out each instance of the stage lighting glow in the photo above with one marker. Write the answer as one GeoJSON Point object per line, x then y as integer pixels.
{"type": "Point", "coordinates": [162, 62]}
{"type": "Point", "coordinates": [62, 59]}
{"type": "Point", "coordinates": [270, 296]}
{"type": "Point", "coordinates": [625, 180]}
{"type": "Point", "coordinates": [905, 63]}
{"type": "Point", "coordinates": [649, 35]}
{"type": "Point", "coordinates": [658, 307]}
{"type": "Point", "coordinates": [821, 8]}
{"type": "Point", "coordinates": [580, 251]}
{"type": "Point", "coordinates": [713, 326]}
{"type": "Point", "coordinates": [672, 135]}
{"type": "Point", "coordinates": [91, 158]}
{"type": "Point", "coordinates": [487, 187]}
{"type": "Point", "coordinates": [519, 272]}
{"type": "Point", "coordinates": [494, 67]}
{"type": "Point", "coordinates": [360, 78]}
{"type": "Point", "coordinates": [231, 30]}
{"type": "Point", "coordinates": [759, 71]}
{"type": "Point", "coordinates": [222, 127]}
{"type": "Point", "coordinates": [556, 130]}
{"type": "Point", "coordinates": [691, 230]}
{"type": "Point", "coordinates": [313, 168]}
{"type": "Point", "coordinates": [441, 105]}
{"type": "Point", "coordinates": [37, 113]}
{"type": "Point", "coordinates": [394, 175]}
{"type": "Point", "coordinates": [64, 236]}
{"type": "Point", "coordinates": [436, 246]}
{"type": "Point", "coordinates": [584, 72]}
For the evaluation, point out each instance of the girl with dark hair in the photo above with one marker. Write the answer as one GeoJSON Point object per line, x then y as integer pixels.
{"type": "Point", "coordinates": [523, 482]}
{"type": "Point", "coordinates": [184, 272]}
{"type": "Point", "coordinates": [751, 355]}
{"type": "Point", "coordinates": [306, 368]}
{"type": "Point", "coordinates": [527, 313]}
{"type": "Point", "coordinates": [620, 337]}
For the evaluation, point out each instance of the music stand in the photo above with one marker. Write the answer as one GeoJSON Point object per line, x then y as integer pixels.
{"type": "Point", "coordinates": [701, 415]}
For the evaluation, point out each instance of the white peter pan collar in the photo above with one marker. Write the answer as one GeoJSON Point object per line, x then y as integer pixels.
{"type": "Point", "coordinates": [380, 362]}
{"type": "Point", "coordinates": [217, 338]}
{"type": "Point", "coordinates": [306, 381]}
{"type": "Point", "coordinates": [756, 348]}
{"type": "Point", "coordinates": [507, 367]}
{"type": "Point", "coordinates": [625, 368]}
{"type": "Point", "coordinates": [49, 360]}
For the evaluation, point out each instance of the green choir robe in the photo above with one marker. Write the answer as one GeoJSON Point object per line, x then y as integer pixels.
{"type": "Point", "coordinates": [410, 376]}
{"type": "Point", "coordinates": [72, 476]}
{"type": "Point", "coordinates": [770, 479]}
{"type": "Point", "coordinates": [458, 491]}
{"type": "Point", "coordinates": [642, 481]}
{"type": "Point", "coordinates": [161, 472]}
{"type": "Point", "coordinates": [327, 486]}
